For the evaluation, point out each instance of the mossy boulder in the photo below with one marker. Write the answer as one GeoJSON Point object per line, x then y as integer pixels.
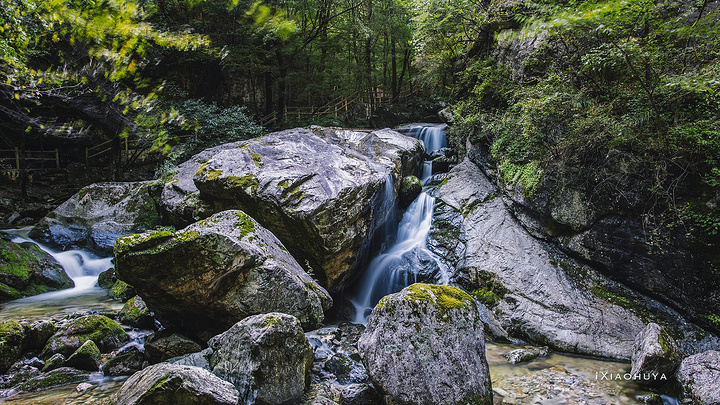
{"type": "Point", "coordinates": [97, 215]}
{"type": "Point", "coordinates": [136, 314]}
{"type": "Point", "coordinates": [655, 354]}
{"type": "Point", "coordinates": [122, 291]}
{"type": "Point", "coordinates": [410, 188]}
{"type": "Point", "coordinates": [171, 384]}
{"type": "Point", "coordinates": [321, 191]}
{"type": "Point", "coordinates": [426, 345]}
{"type": "Point", "coordinates": [103, 331]}
{"type": "Point", "coordinates": [267, 357]}
{"type": "Point", "coordinates": [86, 357]}
{"type": "Point", "coordinates": [54, 378]}
{"type": "Point", "coordinates": [55, 361]}
{"type": "Point", "coordinates": [107, 278]}
{"type": "Point", "coordinates": [27, 270]}
{"type": "Point", "coordinates": [217, 271]}
{"type": "Point", "coordinates": [12, 336]}
{"type": "Point", "coordinates": [38, 334]}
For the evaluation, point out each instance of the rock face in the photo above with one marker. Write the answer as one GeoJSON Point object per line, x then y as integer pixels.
{"type": "Point", "coordinates": [170, 384]}
{"type": "Point", "coordinates": [27, 270]}
{"type": "Point", "coordinates": [546, 297]}
{"type": "Point", "coordinates": [267, 358]}
{"type": "Point", "coordinates": [654, 354]}
{"type": "Point", "coordinates": [103, 331]}
{"type": "Point", "coordinates": [425, 345]}
{"type": "Point", "coordinates": [216, 272]}
{"type": "Point", "coordinates": [699, 375]}
{"type": "Point", "coordinates": [327, 185]}
{"type": "Point", "coordinates": [97, 215]}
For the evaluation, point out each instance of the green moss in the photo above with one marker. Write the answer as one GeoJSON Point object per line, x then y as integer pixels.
{"type": "Point", "coordinates": [486, 297]}
{"type": "Point", "coordinates": [284, 184]}
{"type": "Point", "coordinates": [409, 183]}
{"type": "Point", "coordinates": [529, 175]}
{"type": "Point", "coordinates": [16, 262]}
{"type": "Point", "coordinates": [121, 290]}
{"type": "Point", "coordinates": [256, 158]}
{"type": "Point", "coordinates": [60, 376]}
{"type": "Point", "coordinates": [713, 319]}
{"type": "Point", "coordinates": [247, 181]}
{"type": "Point", "coordinates": [187, 236]}
{"type": "Point", "coordinates": [137, 242]}
{"type": "Point", "coordinates": [446, 297]}
{"type": "Point", "coordinates": [625, 302]}
{"type": "Point", "coordinates": [270, 320]}
{"type": "Point", "coordinates": [245, 224]}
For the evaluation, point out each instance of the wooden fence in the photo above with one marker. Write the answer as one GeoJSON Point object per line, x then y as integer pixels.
{"type": "Point", "coordinates": [16, 155]}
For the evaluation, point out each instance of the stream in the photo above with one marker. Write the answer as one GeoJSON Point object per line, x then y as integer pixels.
{"type": "Point", "coordinates": [553, 379]}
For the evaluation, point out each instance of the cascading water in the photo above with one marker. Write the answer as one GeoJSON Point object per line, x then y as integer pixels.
{"type": "Point", "coordinates": [401, 264]}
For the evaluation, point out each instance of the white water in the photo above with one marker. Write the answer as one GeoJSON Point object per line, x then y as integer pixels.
{"type": "Point", "coordinates": [387, 274]}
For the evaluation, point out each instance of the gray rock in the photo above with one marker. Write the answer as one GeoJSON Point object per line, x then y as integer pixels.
{"type": "Point", "coordinates": [325, 184]}
{"type": "Point", "coordinates": [97, 215]}
{"type": "Point", "coordinates": [267, 358]}
{"type": "Point", "coordinates": [217, 271]}
{"type": "Point", "coordinates": [171, 384]}
{"type": "Point", "coordinates": [39, 333]}
{"type": "Point", "coordinates": [359, 394]}
{"type": "Point", "coordinates": [124, 364]}
{"type": "Point", "coordinates": [425, 345]}
{"type": "Point", "coordinates": [654, 354]}
{"type": "Point", "coordinates": [199, 359]}
{"type": "Point", "coordinates": [410, 188]}
{"type": "Point", "coordinates": [60, 376]}
{"type": "Point", "coordinates": [525, 355]}
{"type": "Point", "coordinates": [86, 357]}
{"type": "Point", "coordinates": [699, 375]}
{"type": "Point", "coordinates": [161, 346]}
{"type": "Point", "coordinates": [19, 373]}
{"type": "Point", "coordinates": [542, 302]}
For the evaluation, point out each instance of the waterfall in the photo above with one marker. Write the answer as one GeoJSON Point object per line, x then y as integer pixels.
{"type": "Point", "coordinates": [82, 266]}
{"type": "Point", "coordinates": [407, 260]}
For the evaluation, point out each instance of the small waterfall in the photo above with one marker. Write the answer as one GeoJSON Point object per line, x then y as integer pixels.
{"type": "Point", "coordinates": [408, 260]}
{"type": "Point", "coordinates": [82, 266]}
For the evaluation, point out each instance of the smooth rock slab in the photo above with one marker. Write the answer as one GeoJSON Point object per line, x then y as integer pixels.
{"type": "Point", "coordinates": [171, 384]}
{"type": "Point", "coordinates": [217, 271]}
{"type": "Point", "coordinates": [699, 376]}
{"type": "Point", "coordinates": [267, 358]}
{"type": "Point", "coordinates": [425, 345]}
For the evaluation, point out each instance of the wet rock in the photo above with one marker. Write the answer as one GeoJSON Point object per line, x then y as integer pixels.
{"type": "Point", "coordinates": [200, 359]}
{"type": "Point", "coordinates": [654, 354]}
{"type": "Point", "coordinates": [547, 298]}
{"type": "Point", "coordinates": [359, 394]}
{"type": "Point", "coordinates": [325, 184]}
{"type": "Point", "coordinates": [525, 355]}
{"type": "Point", "coordinates": [136, 314]}
{"type": "Point", "coordinates": [97, 215]}
{"type": "Point", "coordinates": [103, 331]}
{"type": "Point", "coordinates": [217, 271]}
{"type": "Point", "coordinates": [12, 336]}
{"type": "Point", "coordinates": [20, 374]}
{"type": "Point", "coordinates": [84, 387]}
{"type": "Point", "coordinates": [410, 188]}
{"type": "Point", "coordinates": [346, 369]}
{"type": "Point", "coordinates": [39, 333]}
{"type": "Point", "coordinates": [440, 164]}
{"type": "Point", "coordinates": [435, 355]}
{"type": "Point", "coordinates": [55, 361]}
{"type": "Point", "coordinates": [124, 364]}
{"type": "Point", "coordinates": [266, 357]}
{"type": "Point", "coordinates": [54, 378]}
{"type": "Point", "coordinates": [650, 399]}
{"type": "Point", "coordinates": [86, 357]}
{"type": "Point", "coordinates": [163, 346]}
{"type": "Point", "coordinates": [698, 376]}
{"type": "Point", "coordinates": [174, 384]}
{"type": "Point", "coordinates": [107, 278]}
{"type": "Point", "coordinates": [26, 270]}
{"type": "Point", "coordinates": [122, 291]}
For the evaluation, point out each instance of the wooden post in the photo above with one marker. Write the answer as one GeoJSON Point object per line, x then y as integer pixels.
{"type": "Point", "coordinates": [57, 159]}
{"type": "Point", "coordinates": [86, 158]}
{"type": "Point", "coordinates": [17, 159]}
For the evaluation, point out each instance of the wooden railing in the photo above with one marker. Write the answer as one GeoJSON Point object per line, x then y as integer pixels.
{"type": "Point", "coordinates": [16, 156]}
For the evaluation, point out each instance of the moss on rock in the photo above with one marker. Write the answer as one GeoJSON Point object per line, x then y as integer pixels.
{"type": "Point", "coordinates": [60, 376]}
{"type": "Point", "coordinates": [12, 335]}
{"type": "Point", "coordinates": [122, 291]}
{"type": "Point", "coordinates": [103, 331]}
{"type": "Point", "coordinates": [445, 297]}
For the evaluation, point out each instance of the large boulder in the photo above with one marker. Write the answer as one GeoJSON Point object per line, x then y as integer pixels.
{"type": "Point", "coordinates": [27, 270]}
{"type": "Point", "coordinates": [425, 345]}
{"type": "Point", "coordinates": [12, 336]}
{"type": "Point", "coordinates": [699, 375]}
{"type": "Point", "coordinates": [97, 215]}
{"type": "Point", "coordinates": [543, 296]}
{"type": "Point", "coordinates": [103, 331]}
{"type": "Point", "coordinates": [323, 192]}
{"type": "Point", "coordinates": [165, 345]}
{"type": "Point", "coordinates": [216, 272]}
{"type": "Point", "coordinates": [170, 384]}
{"type": "Point", "coordinates": [267, 358]}
{"type": "Point", "coordinates": [655, 356]}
